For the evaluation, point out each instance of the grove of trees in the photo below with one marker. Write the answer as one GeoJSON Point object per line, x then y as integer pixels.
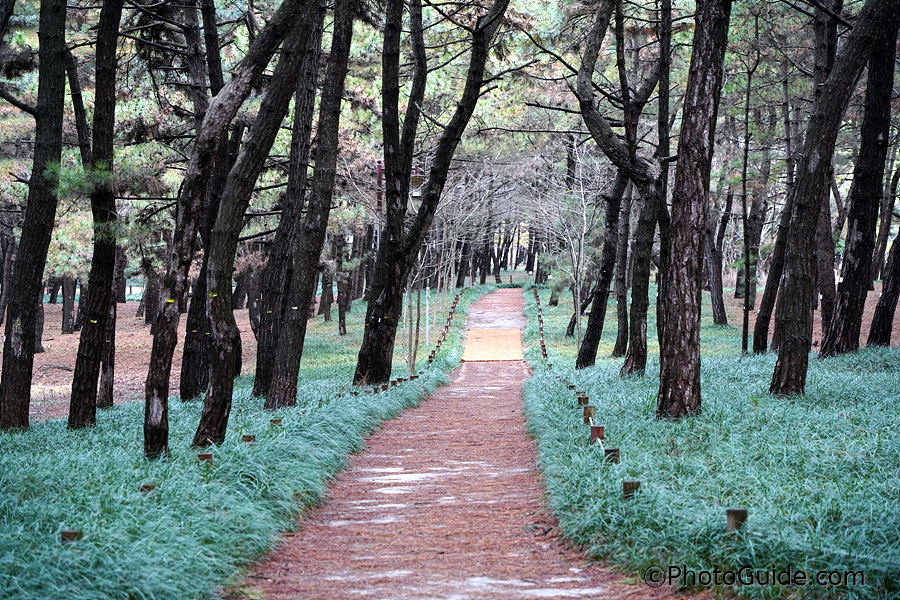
{"type": "Point", "coordinates": [256, 153]}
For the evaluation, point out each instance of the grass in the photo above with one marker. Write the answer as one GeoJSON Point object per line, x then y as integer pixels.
{"type": "Point", "coordinates": [818, 474]}
{"type": "Point", "coordinates": [190, 537]}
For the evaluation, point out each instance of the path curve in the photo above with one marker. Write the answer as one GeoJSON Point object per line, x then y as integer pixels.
{"type": "Point", "coordinates": [446, 503]}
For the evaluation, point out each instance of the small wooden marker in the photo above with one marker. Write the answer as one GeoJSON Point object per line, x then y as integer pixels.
{"type": "Point", "coordinates": [736, 518]}
{"type": "Point", "coordinates": [570, 386]}
{"type": "Point", "coordinates": [248, 439]}
{"type": "Point", "coordinates": [589, 412]}
{"type": "Point", "coordinates": [384, 387]}
{"type": "Point", "coordinates": [611, 455]}
{"type": "Point", "coordinates": [629, 488]}
{"type": "Point", "coordinates": [205, 457]}
{"type": "Point", "coordinates": [597, 433]}
{"type": "Point", "coordinates": [377, 390]}
{"type": "Point", "coordinates": [275, 422]}
{"type": "Point", "coordinates": [393, 383]}
{"type": "Point", "coordinates": [67, 536]}
{"type": "Point", "coordinates": [147, 487]}
{"type": "Point", "coordinates": [583, 400]}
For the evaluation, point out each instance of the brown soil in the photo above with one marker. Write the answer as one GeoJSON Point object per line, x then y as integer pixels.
{"type": "Point", "coordinates": [734, 311]}
{"type": "Point", "coordinates": [52, 380]}
{"type": "Point", "coordinates": [445, 503]}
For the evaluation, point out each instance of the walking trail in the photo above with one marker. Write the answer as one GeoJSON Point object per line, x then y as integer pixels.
{"type": "Point", "coordinates": [446, 502]}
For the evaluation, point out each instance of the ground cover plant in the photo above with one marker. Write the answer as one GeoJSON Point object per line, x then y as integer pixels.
{"type": "Point", "coordinates": [817, 474]}
{"type": "Point", "coordinates": [191, 534]}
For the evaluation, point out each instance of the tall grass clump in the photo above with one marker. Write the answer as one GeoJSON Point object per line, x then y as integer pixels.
{"type": "Point", "coordinates": [189, 537]}
{"type": "Point", "coordinates": [818, 473]}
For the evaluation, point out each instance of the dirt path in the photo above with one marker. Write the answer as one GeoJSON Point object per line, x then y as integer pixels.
{"type": "Point", "coordinates": [445, 503]}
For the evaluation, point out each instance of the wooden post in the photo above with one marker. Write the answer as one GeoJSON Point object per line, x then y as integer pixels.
{"type": "Point", "coordinates": [275, 422]}
{"type": "Point", "coordinates": [629, 488]}
{"type": "Point", "coordinates": [736, 518]}
{"type": "Point", "coordinates": [147, 487]}
{"type": "Point", "coordinates": [589, 412]}
{"type": "Point", "coordinates": [248, 439]}
{"type": "Point", "coordinates": [597, 433]}
{"type": "Point", "coordinates": [206, 457]}
{"type": "Point", "coordinates": [67, 536]}
{"type": "Point", "coordinates": [611, 455]}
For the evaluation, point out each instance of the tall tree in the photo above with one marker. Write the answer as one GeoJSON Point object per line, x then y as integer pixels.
{"type": "Point", "coordinates": [224, 364]}
{"type": "Point", "coordinates": [642, 173]}
{"type": "Point", "coordinates": [883, 319]}
{"type": "Point", "coordinates": [399, 246]}
{"type": "Point", "coordinates": [842, 333]}
{"type": "Point", "coordinates": [40, 213]}
{"type": "Point", "coordinates": [195, 361]}
{"type": "Point", "coordinates": [180, 252]}
{"type": "Point", "coordinates": [310, 238]}
{"type": "Point", "coordinates": [789, 376]}
{"type": "Point", "coordinates": [277, 277]}
{"type": "Point", "coordinates": [679, 387]}
{"type": "Point", "coordinates": [83, 401]}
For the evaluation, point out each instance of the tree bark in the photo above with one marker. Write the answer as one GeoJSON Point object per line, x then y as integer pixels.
{"type": "Point", "coordinates": [225, 338]}
{"type": "Point", "coordinates": [83, 401]}
{"type": "Point", "coordinates": [398, 251]}
{"type": "Point", "coordinates": [27, 278]}
{"type": "Point", "coordinates": [180, 254]}
{"type": "Point", "coordinates": [307, 244]}
{"type": "Point", "coordinates": [679, 389]}
{"type": "Point", "coordinates": [884, 227]}
{"type": "Point", "coordinates": [69, 285]}
{"type": "Point", "coordinates": [883, 319]}
{"type": "Point", "coordinates": [275, 300]}
{"type": "Point", "coordinates": [714, 243]}
{"type": "Point", "coordinates": [622, 256]}
{"type": "Point", "coordinates": [789, 376]}
{"type": "Point", "coordinates": [195, 359]}
{"type": "Point", "coordinates": [842, 333]}
{"type": "Point", "coordinates": [587, 353]}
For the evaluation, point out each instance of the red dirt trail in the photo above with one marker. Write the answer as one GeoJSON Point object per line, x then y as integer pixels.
{"type": "Point", "coordinates": [445, 503]}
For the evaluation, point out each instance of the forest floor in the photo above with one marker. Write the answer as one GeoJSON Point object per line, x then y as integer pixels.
{"type": "Point", "coordinates": [52, 382]}
{"type": "Point", "coordinates": [446, 501]}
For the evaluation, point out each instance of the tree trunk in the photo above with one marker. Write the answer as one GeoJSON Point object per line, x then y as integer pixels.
{"type": "Point", "coordinates": [642, 174]}
{"type": "Point", "coordinates": [194, 376]}
{"type": "Point", "coordinates": [83, 401]}
{"type": "Point", "coordinates": [343, 293]}
{"type": "Point", "coordinates": [714, 245]}
{"type": "Point", "coordinates": [883, 319]}
{"type": "Point", "coordinates": [307, 245]}
{"type": "Point", "coordinates": [39, 326]}
{"type": "Point", "coordinates": [398, 252]}
{"type": "Point", "coordinates": [68, 304]}
{"type": "Point", "coordinates": [27, 278]}
{"type": "Point", "coordinates": [108, 356]}
{"type": "Point", "coordinates": [587, 353]}
{"type": "Point", "coordinates": [180, 255]}
{"type": "Point", "coordinates": [9, 258]}
{"type": "Point", "coordinates": [81, 304]}
{"type": "Point", "coordinates": [789, 376]}
{"type": "Point", "coordinates": [842, 334]}
{"type": "Point", "coordinates": [884, 228]}
{"type": "Point", "coordinates": [327, 298]}
{"type": "Point", "coordinates": [225, 338]}
{"type": "Point", "coordinates": [679, 389]}
{"type": "Point", "coordinates": [622, 255]}
{"type": "Point", "coordinates": [776, 266]}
